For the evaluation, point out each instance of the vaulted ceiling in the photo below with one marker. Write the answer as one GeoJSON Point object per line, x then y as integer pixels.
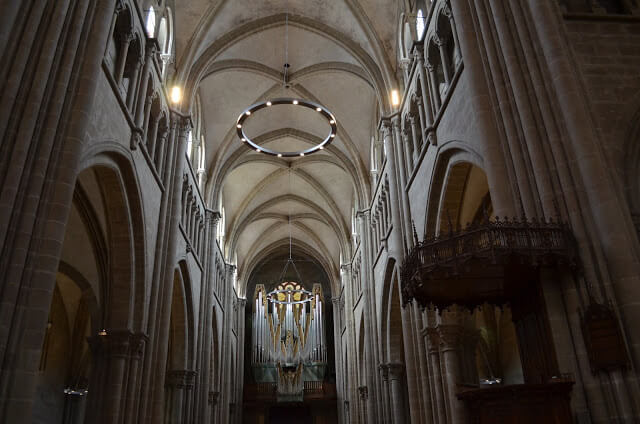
{"type": "Point", "coordinates": [231, 54]}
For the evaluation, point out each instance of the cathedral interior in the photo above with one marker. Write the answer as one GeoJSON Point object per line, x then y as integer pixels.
{"type": "Point", "coordinates": [320, 211]}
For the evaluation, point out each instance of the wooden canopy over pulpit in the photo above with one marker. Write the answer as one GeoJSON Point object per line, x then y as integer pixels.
{"type": "Point", "coordinates": [500, 262]}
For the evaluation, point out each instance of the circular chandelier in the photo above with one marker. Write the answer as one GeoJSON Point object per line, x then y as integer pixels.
{"type": "Point", "coordinates": [331, 120]}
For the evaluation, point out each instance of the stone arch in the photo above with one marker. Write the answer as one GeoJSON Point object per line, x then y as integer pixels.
{"type": "Point", "coordinates": [451, 153]}
{"type": "Point", "coordinates": [181, 330]}
{"type": "Point", "coordinates": [117, 183]}
{"type": "Point", "coordinates": [66, 359]}
{"type": "Point", "coordinates": [391, 331]}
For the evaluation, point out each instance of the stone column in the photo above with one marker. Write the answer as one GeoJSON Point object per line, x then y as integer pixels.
{"type": "Point", "coordinates": [408, 151]}
{"type": "Point", "coordinates": [396, 384]}
{"type": "Point", "coordinates": [374, 408]}
{"type": "Point", "coordinates": [423, 123]}
{"type": "Point", "coordinates": [429, 134]}
{"type": "Point", "coordinates": [241, 304]}
{"type": "Point", "coordinates": [190, 380]}
{"type": "Point", "coordinates": [150, 51]}
{"type": "Point", "coordinates": [124, 40]}
{"type": "Point", "coordinates": [447, 66]}
{"type": "Point", "coordinates": [435, 380]}
{"type": "Point", "coordinates": [450, 343]}
{"type": "Point", "coordinates": [414, 137]}
{"type": "Point", "coordinates": [174, 170]}
{"type": "Point", "coordinates": [213, 402]}
{"type": "Point", "coordinates": [363, 393]}
{"type": "Point", "coordinates": [435, 89]}
{"type": "Point", "coordinates": [42, 144]}
{"type": "Point", "coordinates": [383, 369]}
{"type": "Point", "coordinates": [340, 366]}
{"type": "Point", "coordinates": [175, 396]}
{"type": "Point", "coordinates": [402, 176]}
{"type": "Point", "coordinates": [137, 343]}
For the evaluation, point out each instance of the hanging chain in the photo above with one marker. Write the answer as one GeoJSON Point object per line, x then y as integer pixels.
{"type": "Point", "coordinates": [285, 74]}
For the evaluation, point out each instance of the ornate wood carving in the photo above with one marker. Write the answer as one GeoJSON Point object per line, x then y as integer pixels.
{"type": "Point", "coordinates": [487, 262]}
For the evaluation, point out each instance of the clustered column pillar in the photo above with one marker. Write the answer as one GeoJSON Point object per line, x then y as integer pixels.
{"type": "Point", "coordinates": [450, 342]}
{"type": "Point", "coordinates": [396, 373]}
{"type": "Point", "coordinates": [435, 375]}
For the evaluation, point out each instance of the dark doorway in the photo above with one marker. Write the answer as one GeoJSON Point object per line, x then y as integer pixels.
{"type": "Point", "coordinates": [290, 414]}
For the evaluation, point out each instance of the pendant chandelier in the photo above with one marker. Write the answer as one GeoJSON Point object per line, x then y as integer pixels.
{"type": "Point", "coordinates": [323, 111]}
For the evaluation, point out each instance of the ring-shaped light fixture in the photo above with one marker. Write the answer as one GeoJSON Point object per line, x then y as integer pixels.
{"type": "Point", "coordinates": [331, 120]}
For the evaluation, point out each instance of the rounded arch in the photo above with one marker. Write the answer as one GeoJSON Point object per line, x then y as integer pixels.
{"type": "Point", "coordinates": [391, 319]}
{"type": "Point", "coordinates": [119, 189]}
{"type": "Point", "coordinates": [449, 154]}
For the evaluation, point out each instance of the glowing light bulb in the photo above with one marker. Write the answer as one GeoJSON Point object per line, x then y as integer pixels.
{"type": "Point", "coordinates": [176, 94]}
{"type": "Point", "coordinates": [318, 109]}
{"type": "Point", "coordinates": [239, 126]}
{"type": "Point", "coordinates": [279, 155]}
{"type": "Point", "coordinates": [248, 113]}
{"type": "Point", "coordinates": [332, 121]}
{"type": "Point", "coordinates": [395, 97]}
{"type": "Point", "coordinates": [269, 103]}
{"type": "Point", "coordinates": [301, 154]}
{"type": "Point", "coordinates": [295, 102]}
{"type": "Point", "coordinates": [258, 150]}
{"type": "Point", "coordinates": [333, 136]}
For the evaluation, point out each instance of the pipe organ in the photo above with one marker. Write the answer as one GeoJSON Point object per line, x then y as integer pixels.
{"type": "Point", "coordinates": [288, 338]}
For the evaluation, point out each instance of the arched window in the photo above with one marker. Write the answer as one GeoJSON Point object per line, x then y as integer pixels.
{"type": "Point", "coordinates": [221, 225]}
{"type": "Point", "coordinates": [420, 24]}
{"type": "Point", "coordinates": [165, 39]}
{"type": "Point", "coordinates": [189, 144]}
{"type": "Point", "coordinates": [150, 25]}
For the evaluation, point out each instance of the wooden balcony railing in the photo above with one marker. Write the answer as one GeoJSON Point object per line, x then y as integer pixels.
{"type": "Point", "coordinates": [485, 262]}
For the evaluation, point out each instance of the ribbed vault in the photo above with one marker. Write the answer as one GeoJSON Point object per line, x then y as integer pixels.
{"type": "Point", "coordinates": [231, 55]}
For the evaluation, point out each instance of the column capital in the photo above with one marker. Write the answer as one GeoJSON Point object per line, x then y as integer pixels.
{"type": "Point", "coordinates": [384, 371]}
{"type": "Point", "coordinates": [396, 370]}
{"type": "Point", "coordinates": [385, 127]}
{"type": "Point", "coordinates": [137, 343]}
{"type": "Point", "coordinates": [181, 379]}
{"type": "Point", "coordinates": [346, 267]}
{"type": "Point", "coordinates": [363, 391]}
{"type": "Point", "coordinates": [213, 398]}
{"type": "Point", "coordinates": [396, 122]}
{"type": "Point", "coordinates": [230, 268]}
{"type": "Point", "coordinates": [213, 217]}
{"type": "Point", "coordinates": [363, 213]}
{"type": "Point", "coordinates": [434, 339]}
{"type": "Point", "coordinates": [450, 336]}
